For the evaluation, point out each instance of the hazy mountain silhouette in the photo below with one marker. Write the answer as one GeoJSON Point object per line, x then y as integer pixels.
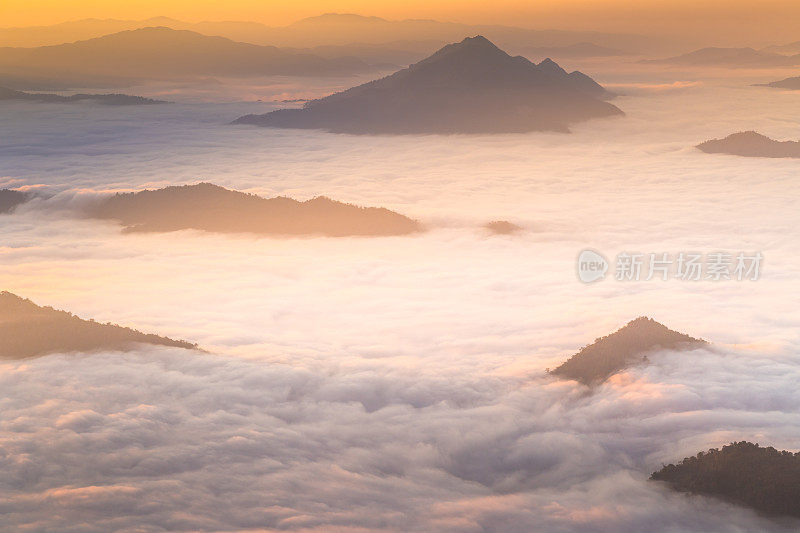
{"type": "Point", "coordinates": [341, 28]}
{"type": "Point", "coordinates": [77, 30]}
{"type": "Point", "coordinates": [10, 199]}
{"type": "Point", "coordinates": [730, 57]}
{"type": "Point", "coordinates": [330, 29]}
{"type": "Point", "coordinates": [466, 87]}
{"type": "Point", "coordinates": [212, 208]}
{"type": "Point", "coordinates": [502, 227]}
{"type": "Point", "coordinates": [742, 473]}
{"type": "Point", "coordinates": [27, 330]}
{"type": "Point", "coordinates": [163, 53]}
{"type": "Point", "coordinates": [107, 99]}
{"type": "Point", "coordinates": [788, 83]}
{"type": "Point", "coordinates": [628, 346]}
{"type": "Point", "coordinates": [573, 51]}
{"type": "Point", "coordinates": [786, 49]}
{"type": "Point", "coordinates": [379, 55]}
{"type": "Point", "coordinates": [751, 144]}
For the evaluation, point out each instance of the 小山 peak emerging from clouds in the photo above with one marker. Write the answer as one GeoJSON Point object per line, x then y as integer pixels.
{"type": "Point", "coordinates": [627, 346]}
{"type": "Point", "coordinates": [742, 473]}
{"type": "Point", "coordinates": [28, 330]}
{"type": "Point", "coordinates": [467, 87]}
{"type": "Point", "coordinates": [209, 207]}
{"type": "Point", "coordinates": [751, 144]}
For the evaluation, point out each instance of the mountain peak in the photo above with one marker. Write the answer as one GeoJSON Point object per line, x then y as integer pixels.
{"type": "Point", "coordinates": [475, 49]}
{"type": "Point", "coordinates": [478, 40]}
{"type": "Point", "coordinates": [625, 347]}
{"type": "Point", "coordinates": [470, 86]}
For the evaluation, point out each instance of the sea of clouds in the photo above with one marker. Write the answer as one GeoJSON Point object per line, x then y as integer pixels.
{"type": "Point", "coordinates": [396, 383]}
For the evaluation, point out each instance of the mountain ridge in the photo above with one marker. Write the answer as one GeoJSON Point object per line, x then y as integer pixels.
{"type": "Point", "coordinates": [627, 346]}
{"type": "Point", "coordinates": [29, 330]}
{"type": "Point", "coordinates": [208, 207]}
{"type": "Point", "coordinates": [165, 53]}
{"type": "Point", "coordinates": [467, 87]}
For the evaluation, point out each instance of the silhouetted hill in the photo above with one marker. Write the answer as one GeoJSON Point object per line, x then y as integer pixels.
{"type": "Point", "coordinates": [27, 330]}
{"type": "Point", "coordinates": [163, 53]}
{"type": "Point", "coordinates": [730, 57]}
{"type": "Point", "coordinates": [212, 208]}
{"type": "Point", "coordinates": [751, 144]}
{"type": "Point", "coordinates": [625, 347]}
{"type": "Point", "coordinates": [788, 83]}
{"type": "Point", "coordinates": [10, 199]}
{"type": "Point", "coordinates": [467, 87]}
{"type": "Point", "coordinates": [742, 473]}
{"type": "Point", "coordinates": [107, 99]}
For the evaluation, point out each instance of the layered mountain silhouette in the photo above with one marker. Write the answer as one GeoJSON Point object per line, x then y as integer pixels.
{"type": "Point", "coordinates": [164, 53]}
{"type": "Point", "coordinates": [10, 199]}
{"type": "Point", "coordinates": [331, 29]}
{"type": "Point", "coordinates": [731, 58]}
{"type": "Point", "coordinates": [208, 207]}
{"type": "Point", "coordinates": [107, 99]}
{"type": "Point", "coordinates": [626, 347]}
{"type": "Point", "coordinates": [387, 56]}
{"type": "Point", "coordinates": [574, 51]}
{"type": "Point", "coordinates": [788, 83]}
{"type": "Point", "coordinates": [742, 473]}
{"type": "Point", "coordinates": [751, 144]}
{"type": "Point", "coordinates": [466, 87]}
{"type": "Point", "coordinates": [28, 330]}
{"type": "Point", "coordinates": [786, 49]}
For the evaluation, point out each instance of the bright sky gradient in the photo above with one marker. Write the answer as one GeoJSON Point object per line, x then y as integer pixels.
{"type": "Point", "coordinates": [774, 19]}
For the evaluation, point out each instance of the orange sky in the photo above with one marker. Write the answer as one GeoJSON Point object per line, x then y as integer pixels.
{"type": "Point", "coordinates": [776, 19]}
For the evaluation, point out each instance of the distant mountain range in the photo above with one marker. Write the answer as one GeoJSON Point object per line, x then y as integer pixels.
{"type": "Point", "coordinates": [751, 144]}
{"type": "Point", "coordinates": [28, 330]}
{"type": "Point", "coordinates": [730, 58]}
{"type": "Point", "coordinates": [626, 347]}
{"type": "Point", "coordinates": [330, 29]}
{"type": "Point", "coordinates": [786, 49]}
{"type": "Point", "coordinates": [572, 51]}
{"type": "Point", "coordinates": [212, 208]}
{"type": "Point", "coordinates": [741, 473]}
{"type": "Point", "coordinates": [788, 83]}
{"type": "Point", "coordinates": [164, 53]}
{"type": "Point", "coordinates": [467, 87]}
{"type": "Point", "coordinates": [107, 99]}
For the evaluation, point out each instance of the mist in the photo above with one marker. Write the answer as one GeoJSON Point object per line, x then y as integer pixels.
{"type": "Point", "coordinates": [397, 383]}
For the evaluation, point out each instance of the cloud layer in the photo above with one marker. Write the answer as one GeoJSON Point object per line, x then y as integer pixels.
{"type": "Point", "coordinates": [395, 383]}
